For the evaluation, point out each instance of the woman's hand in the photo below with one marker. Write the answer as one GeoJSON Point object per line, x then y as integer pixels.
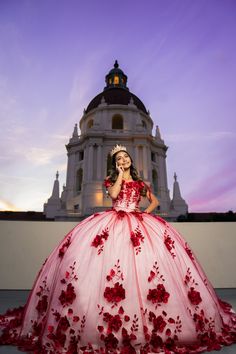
{"type": "Point", "coordinates": [120, 169]}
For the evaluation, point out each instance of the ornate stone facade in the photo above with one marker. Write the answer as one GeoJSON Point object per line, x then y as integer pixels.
{"type": "Point", "coordinates": [115, 116]}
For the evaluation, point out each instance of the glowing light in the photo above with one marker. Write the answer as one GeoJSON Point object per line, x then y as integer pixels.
{"type": "Point", "coordinates": [99, 198]}
{"type": "Point", "coordinates": [116, 80]}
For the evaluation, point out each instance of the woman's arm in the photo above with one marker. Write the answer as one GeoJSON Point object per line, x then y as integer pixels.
{"type": "Point", "coordinates": [114, 190]}
{"type": "Point", "coordinates": [153, 202]}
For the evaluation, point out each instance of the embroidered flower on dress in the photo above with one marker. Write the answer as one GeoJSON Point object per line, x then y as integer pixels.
{"type": "Point", "coordinates": [42, 304]}
{"type": "Point", "coordinates": [114, 322]}
{"type": "Point", "coordinates": [136, 238]}
{"type": "Point", "coordinates": [159, 324]}
{"type": "Point", "coordinates": [121, 214]}
{"type": "Point", "coordinates": [169, 243]}
{"type": "Point", "coordinates": [64, 247]}
{"type": "Point", "coordinates": [189, 252]}
{"type": "Point", "coordinates": [99, 240]}
{"type": "Point", "coordinates": [115, 294]}
{"type": "Point", "coordinates": [67, 296]}
{"type": "Point", "coordinates": [158, 295]}
{"type": "Point", "coordinates": [194, 296]}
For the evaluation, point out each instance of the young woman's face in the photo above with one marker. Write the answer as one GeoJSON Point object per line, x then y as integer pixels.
{"type": "Point", "coordinates": [123, 159]}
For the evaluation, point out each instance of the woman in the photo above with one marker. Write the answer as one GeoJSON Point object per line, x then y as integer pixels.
{"type": "Point", "coordinates": [122, 281]}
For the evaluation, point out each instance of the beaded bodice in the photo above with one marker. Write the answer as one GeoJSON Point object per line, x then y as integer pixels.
{"type": "Point", "coordinates": [129, 197]}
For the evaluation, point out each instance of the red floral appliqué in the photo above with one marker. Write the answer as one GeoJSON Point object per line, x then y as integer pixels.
{"type": "Point", "coordinates": [169, 243]}
{"type": "Point", "coordinates": [158, 295]}
{"type": "Point", "coordinates": [68, 295]}
{"type": "Point", "coordinates": [194, 296]}
{"type": "Point", "coordinates": [205, 327]}
{"type": "Point", "coordinates": [114, 294]}
{"type": "Point", "coordinates": [136, 238]}
{"type": "Point", "coordinates": [189, 252]}
{"type": "Point", "coordinates": [154, 275]}
{"type": "Point", "coordinates": [98, 241]}
{"type": "Point", "coordinates": [115, 273]}
{"type": "Point", "coordinates": [65, 246]}
{"type": "Point", "coordinates": [113, 324]}
{"type": "Point", "coordinates": [161, 323]}
{"type": "Point", "coordinates": [43, 292]}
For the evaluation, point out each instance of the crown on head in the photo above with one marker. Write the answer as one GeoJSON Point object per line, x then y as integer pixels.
{"type": "Point", "coordinates": [117, 148]}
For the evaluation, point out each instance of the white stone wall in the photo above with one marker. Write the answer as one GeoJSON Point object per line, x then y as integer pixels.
{"type": "Point", "coordinates": [136, 135]}
{"type": "Point", "coordinates": [25, 245]}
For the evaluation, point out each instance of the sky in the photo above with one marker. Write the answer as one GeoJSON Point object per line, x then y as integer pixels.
{"type": "Point", "coordinates": [180, 59]}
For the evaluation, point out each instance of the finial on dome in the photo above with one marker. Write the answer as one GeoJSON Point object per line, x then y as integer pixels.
{"type": "Point", "coordinates": [117, 148]}
{"type": "Point", "coordinates": [116, 78]}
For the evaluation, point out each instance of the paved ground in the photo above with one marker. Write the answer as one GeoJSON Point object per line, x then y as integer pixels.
{"type": "Point", "coordinates": [14, 298]}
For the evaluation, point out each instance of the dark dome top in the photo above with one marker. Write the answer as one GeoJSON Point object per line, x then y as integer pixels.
{"type": "Point", "coordinates": [116, 96]}
{"type": "Point", "coordinates": [116, 91]}
{"type": "Point", "coordinates": [116, 69]}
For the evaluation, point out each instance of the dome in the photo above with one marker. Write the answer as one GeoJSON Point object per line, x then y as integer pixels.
{"type": "Point", "coordinates": [116, 91]}
{"type": "Point", "coordinates": [116, 96]}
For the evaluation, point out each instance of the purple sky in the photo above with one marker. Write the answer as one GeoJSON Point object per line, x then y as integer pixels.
{"type": "Point", "coordinates": [180, 58]}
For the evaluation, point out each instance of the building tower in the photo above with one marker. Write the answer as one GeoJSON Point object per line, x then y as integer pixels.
{"type": "Point", "coordinates": [114, 116]}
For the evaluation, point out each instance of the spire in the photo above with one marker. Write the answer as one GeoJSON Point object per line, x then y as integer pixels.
{"type": "Point", "coordinates": [75, 132]}
{"type": "Point", "coordinates": [75, 136]}
{"type": "Point", "coordinates": [175, 177]}
{"type": "Point", "coordinates": [176, 190]}
{"type": "Point", "coordinates": [54, 202]}
{"type": "Point", "coordinates": [158, 134]}
{"type": "Point", "coordinates": [116, 78]}
{"type": "Point", "coordinates": [178, 203]}
{"type": "Point", "coordinates": [55, 191]}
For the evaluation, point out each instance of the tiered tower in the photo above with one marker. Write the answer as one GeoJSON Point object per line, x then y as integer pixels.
{"type": "Point", "coordinates": [114, 116]}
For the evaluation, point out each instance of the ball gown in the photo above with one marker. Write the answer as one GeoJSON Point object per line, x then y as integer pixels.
{"type": "Point", "coordinates": [122, 281]}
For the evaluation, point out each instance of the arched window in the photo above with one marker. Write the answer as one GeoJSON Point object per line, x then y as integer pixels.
{"type": "Point", "coordinates": [144, 124]}
{"type": "Point", "coordinates": [79, 180]}
{"type": "Point", "coordinates": [90, 124]}
{"type": "Point", "coordinates": [155, 181]}
{"type": "Point", "coordinates": [117, 121]}
{"type": "Point", "coordinates": [153, 156]}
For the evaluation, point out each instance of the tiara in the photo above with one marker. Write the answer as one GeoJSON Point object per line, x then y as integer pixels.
{"type": "Point", "coordinates": [117, 148]}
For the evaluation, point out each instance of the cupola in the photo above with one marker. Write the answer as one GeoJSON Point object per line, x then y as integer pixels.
{"type": "Point", "coordinates": [116, 78]}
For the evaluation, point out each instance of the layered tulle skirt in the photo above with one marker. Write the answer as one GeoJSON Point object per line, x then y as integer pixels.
{"type": "Point", "coordinates": [121, 282]}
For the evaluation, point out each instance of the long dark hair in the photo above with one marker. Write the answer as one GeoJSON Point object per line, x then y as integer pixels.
{"type": "Point", "coordinates": [133, 172]}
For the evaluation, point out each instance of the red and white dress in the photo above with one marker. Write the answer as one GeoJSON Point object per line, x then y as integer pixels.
{"type": "Point", "coordinates": [121, 281]}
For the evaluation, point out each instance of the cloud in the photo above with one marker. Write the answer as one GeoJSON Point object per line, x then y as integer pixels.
{"type": "Point", "coordinates": [41, 156]}
{"type": "Point", "coordinates": [212, 191]}
{"type": "Point", "coordinates": [6, 205]}
{"type": "Point", "coordinates": [60, 137]}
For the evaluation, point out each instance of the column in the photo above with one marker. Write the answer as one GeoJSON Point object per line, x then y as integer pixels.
{"type": "Point", "coordinates": [100, 163]}
{"type": "Point", "coordinates": [136, 162]}
{"type": "Point", "coordinates": [145, 164]}
{"type": "Point", "coordinates": [90, 162]}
